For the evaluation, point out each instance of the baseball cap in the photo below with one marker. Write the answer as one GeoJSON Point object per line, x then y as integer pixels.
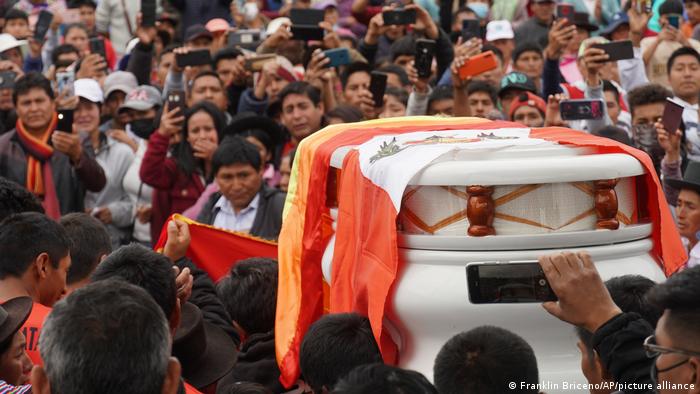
{"type": "Point", "coordinates": [618, 20]}
{"type": "Point", "coordinates": [142, 98]}
{"type": "Point", "coordinates": [516, 81]}
{"type": "Point", "coordinates": [7, 41]}
{"type": "Point", "coordinates": [122, 81]}
{"type": "Point", "coordinates": [499, 30]}
{"type": "Point", "coordinates": [217, 25]}
{"type": "Point", "coordinates": [88, 89]}
{"type": "Point", "coordinates": [196, 31]}
{"type": "Point", "coordinates": [527, 99]}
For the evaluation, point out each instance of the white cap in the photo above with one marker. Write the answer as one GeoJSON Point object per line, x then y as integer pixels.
{"type": "Point", "coordinates": [7, 41]}
{"type": "Point", "coordinates": [88, 89]}
{"type": "Point", "coordinates": [499, 30]}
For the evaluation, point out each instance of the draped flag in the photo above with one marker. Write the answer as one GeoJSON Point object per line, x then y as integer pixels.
{"type": "Point", "coordinates": [215, 250]}
{"type": "Point", "coordinates": [372, 181]}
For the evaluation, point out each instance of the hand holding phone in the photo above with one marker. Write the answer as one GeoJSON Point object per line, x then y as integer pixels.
{"type": "Point", "coordinates": [97, 46]}
{"type": "Point", "coordinates": [478, 64]}
{"type": "Point", "coordinates": [617, 50]}
{"type": "Point", "coordinates": [565, 11]}
{"type": "Point", "coordinates": [198, 57]}
{"type": "Point", "coordinates": [399, 17]}
{"type": "Point", "coordinates": [470, 29]}
{"type": "Point", "coordinates": [508, 282]}
{"type": "Point", "coordinates": [176, 99]}
{"type": "Point", "coordinates": [148, 13]}
{"type": "Point", "coordinates": [42, 25]}
{"type": "Point", "coordinates": [425, 50]}
{"type": "Point", "coordinates": [673, 115]}
{"type": "Point", "coordinates": [338, 57]}
{"type": "Point", "coordinates": [582, 109]}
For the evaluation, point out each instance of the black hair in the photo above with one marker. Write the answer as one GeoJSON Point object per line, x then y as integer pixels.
{"type": "Point", "coordinates": [62, 50]}
{"type": "Point", "coordinates": [614, 133]}
{"type": "Point", "coordinates": [682, 51]}
{"type": "Point", "coordinates": [145, 268]}
{"type": "Point", "coordinates": [168, 49]}
{"type": "Point", "coordinates": [348, 113]}
{"type": "Point", "coordinates": [398, 71]}
{"type": "Point", "coordinates": [29, 81]}
{"type": "Point", "coordinates": [182, 152]}
{"type": "Point", "coordinates": [205, 73]}
{"type": "Point", "coordinates": [678, 298]}
{"type": "Point", "coordinates": [609, 87]}
{"type": "Point", "coordinates": [262, 136]}
{"type": "Point", "coordinates": [244, 388]}
{"type": "Point", "coordinates": [528, 46]}
{"type": "Point", "coordinates": [249, 294]}
{"type": "Point", "coordinates": [671, 7]}
{"type": "Point", "coordinates": [463, 9]}
{"type": "Point", "coordinates": [235, 150]}
{"type": "Point", "coordinates": [647, 94]}
{"type": "Point", "coordinates": [90, 241]}
{"type": "Point", "coordinates": [481, 86]}
{"type": "Point", "coordinates": [352, 68]}
{"type": "Point", "coordinates": [495, 50]}
{"type": "Point", "coordinates": [442, 92]}
{"type": "Point", "coordinates": [14, 198]}
{"type": "Point", "coordinates": [77, 25]}
{"type": "Point", "coordinates": [382, 378]}
{"type": "Point", "coordinates": [24, 236]}
{"type": "Point", "coordinates": [400, 94]}
{"type": "Point", "coordinates": [87, 3]}
{"type": "Point", "coordinates": [303, 89]}
{"type": "Point", "coordinates": [14, 13]}
{"type": "Point", "coordinates": [484, 360]}
{"type": "Point", "coordinates": [228, 53]}
{"type": "Point", "coordinates": [404, 46]}
{"type": "Point", "coordinates": [333, 346]}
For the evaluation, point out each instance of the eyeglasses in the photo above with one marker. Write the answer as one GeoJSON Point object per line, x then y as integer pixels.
{"type": "Point", "coordinates": [653, 350]}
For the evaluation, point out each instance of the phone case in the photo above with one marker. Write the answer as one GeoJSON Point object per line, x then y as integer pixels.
{"type": "Point", "coordinates": [148, 13]}
{"type": "Point", "coordinates": [338, 57]}
{"type": "Point", "coordinates": [377, 86]}
{"type": "Point", "coordinates": [425, 50]}
{"type": "Point", "coordinates": [65, 121]}
{"type": "Point", "coordinates": [194, 58]}
{"type": "Point", "coordinates": [176, 98]}
{"type": "Point", "coordinates": [673, 115]}
{"type": "Point", "coordinates": [617, 50]}
{"type": "Point", "coordinates": [307, 33]}
{"type": "Point", "coordinates": [97, 45]}
{"type": "Point", "coordinates": [581, 109]}
{"type": "Point", "coordinates": [399, 17]}
{"type": "Point", "coordinates": [565, 11]}
{"type": "Point", "coordinates": [301, 16]}
{"type": "Point", "coordinates": [470, 29]}
{"type": "Point", "coordinates": [42, 25]}
{"type": "Point", "coordinates": [478, 64]}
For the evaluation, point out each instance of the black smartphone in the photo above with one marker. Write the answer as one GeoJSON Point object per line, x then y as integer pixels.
{"type": "Point", "coordinates": [425, 50]}
{"type": "Point", "coordinates": [176, 99]}
{"type": "Point", "coordinates": [243, 37]}
{"type": "Point", "coordinates": [470, 29]}
{"type": "Point", "coordinates": [65, 120]}
{"type": "Point", "coordinates": [399, 17]}
{"type": "Point", "coordinates": [617, 50]}
{"type": "Point", "coordinates": [565, 11]}
{"type": "Point", "coordinates": [307, 33]}
{"type": "Point", "coordinates": [673, 115]}
{"type": "Point", "coordinates": [97, 45]}
{"type": "Point", "coordinates": [581, 109]}
{"type": "Point", "coordinates": [674, 20]}
{"type": "Point", "coordinates": [338, 57]}
{"type": "Point", "coordinates": [197, 57]}
{"type": "Point", "coordinates": [305, 16]}
{"type": "Point", "coordinates": [377, 86]}
{"type": "Point", "coordinates": [511, 282]}
{"type": "Point", "coordinates": [7, 79]}
{"type": "Point", "coordinates": [148, 13]}
{"type": "Point", "coordinates": [42, 25]}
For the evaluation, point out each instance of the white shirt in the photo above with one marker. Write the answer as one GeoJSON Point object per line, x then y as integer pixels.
{"type": "Point", "coordinates": [228, 219]}
{"type": "Point", "coordinates": [690, 119]}
{"type": "Point", "coordinates": [693, 255]}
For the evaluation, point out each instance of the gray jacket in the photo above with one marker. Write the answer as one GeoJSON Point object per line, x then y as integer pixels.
{"type": "Point", "coordinates": [268, 218]}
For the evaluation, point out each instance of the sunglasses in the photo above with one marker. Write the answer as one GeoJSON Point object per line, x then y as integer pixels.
{"type": "Point", "coordinates": [653, 350]}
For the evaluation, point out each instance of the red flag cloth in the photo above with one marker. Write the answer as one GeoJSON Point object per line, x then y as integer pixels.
{"type": "Point", "coordinates": [215, 250]}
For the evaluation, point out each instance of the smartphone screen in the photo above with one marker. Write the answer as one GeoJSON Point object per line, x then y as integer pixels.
{"type": "Point", "coordinates": [148, 13]}
{"type": "Point", "coordinates": [617, 50]}
{"type": "Point", "coordinates": [377, 86]}
{"type": "Point", "coordinates": [470, 29]}
{"type": "Point", "coordinates": [512, 282]}
{"type": "Point", "coordinates": [674, 20]}
{"type": "Point", "coordinates": [581, 109]}
{"type": "Point", "coordinates": [97, 45]}
{"type": "Point", "coordinates": [193, 58]}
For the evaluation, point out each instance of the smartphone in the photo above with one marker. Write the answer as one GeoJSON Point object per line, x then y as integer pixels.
{"type": "Point", "coordinates": [674, 20]}
{"type": "Point", "coordinates": [197, 57]}
{"type": "Point", "coordinates": [256, 63]}
{"type": "Point", "coordinates": [64, 82]}
{"type": "Point", "coordinates": [243, 37]}
{"type": "Point", "coordinates": [673, 115]}
{"type": "Point", "coordinates": [97, 45]}
{"type": "Point", "coordinates": [377, 86]}
{"type": "Point", "coordinates": [470, 29]}
{"type": "Point", "coordinates": [565, 11]}
{"type": "Point", "coordinates": [304, 16]}
{"type": "Point", "coordinates": [478, 64]}
{"type": "Point", "coordinates": [511, 282]}
{"type": "Point", "coordinates": [65, 120]}
{"type": "Point", "coordinates": [425, 50]}
{"type": "Point", "coordinates": [617, 50]}
{"type": "Point", "coordinates": [176, 99]}
{"type": "Point", "coordinates": [42, 25]}
{"type": "Point", "coordinates": [399, 17]}
{"type": "Point", "coordinates": [148, 13]}
{"type": "Point", "coordinates": [7, 79]}
{"type": "Point", "coordinates": [338, 57]}
{"type": "Point", "coordinates": [581, 109]}
{"type": "Point", "coordinates": [307, 33]}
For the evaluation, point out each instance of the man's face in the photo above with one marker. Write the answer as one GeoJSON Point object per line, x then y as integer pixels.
{"type": "Point", "coordinates": [543, 11]}
{"type": "Point", "coordinates": [693, 10]}
{"type": "Point", "coordinates": [441, 107]}
{"type": "Point", "coordinates": [285, 173]}
{"type": "Point", "coordinates": [394, 81]}
{"type": "Point", "coordinates": [18, 28]}
{"type": "Point", "coordinates": [507, 98]}
{"type": "Point", "coordinates": [492, 77]}
{"type": "Point", "coordinates": [87, 17]}
{"type": "Point", "coordinates": [35, 109]}
{"type": "Point", "coordinates": [505, 45]}
{"type": "Point", "coordinates": [226, 68]}
{"type": "Point", "coordinates": [530, 63]}
{"type": "Point", "coordinates": [6, 103]}
{"type": "Point", "coordinates": [276, 85]}
{"type": "Point", "coordinates": [684, 372]}
{"type": "Point", "coordinates": [575, 43]}
{"type": "Point", "coordinates": [112, 104]}
{"type": "Point", "coordinates": [15, 365]}
{"type": "Point", "coordinates": [87, 117]}
{"type": "Point", "coordinates": [357, 83]}
{"type": "Point", "coordinates": [404, 61]}
{"type": "Point", "coordinates": [529, 116]}
{"type": "Point", "coordinates": [300, 116]}
{"type": "Point", "coordinates": [239, 183]}
{"type": "Point", "coordinates": [612, 104]}
{"type": "Point", "coordinates": [621, 33]}
{"type": "Point", "coordinates": [166, 61]}
{"type": "Point", "coordinates": [394, 32]}
{"type": "Point", "coordinates": [480, 104]}
{"type": "Point", "coordinates": [684, 77]}
{"type": "Point", "coordinates": [200, 43]}
{"type": "Point", "coordinates": [647, 113]}
{"type": "Point", "coordinates": [208, 88]}
{"type": "Point", "coordinates": [688, 213]}
{"type": "Point", "coordinates": [53, 285]}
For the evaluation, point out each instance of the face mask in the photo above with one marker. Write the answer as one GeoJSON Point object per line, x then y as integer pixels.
{"type": "Point", "coordinates": [480, 9]}
{"type": "Point", "coordinates": [143, 128]}
{"type": "Point", "coordinates": [645, 139]}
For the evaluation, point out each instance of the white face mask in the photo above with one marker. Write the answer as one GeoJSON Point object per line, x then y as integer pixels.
{"type": "Point", "coordinates": [250, 11]}
{"type": "Point", "coordinates": [481, 9]}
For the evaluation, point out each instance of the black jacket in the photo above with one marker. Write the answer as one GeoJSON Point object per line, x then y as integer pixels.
{"type": "Point", "coordinates": [256, 363]}
{"type": "Point", "coordinates": [268, 218]}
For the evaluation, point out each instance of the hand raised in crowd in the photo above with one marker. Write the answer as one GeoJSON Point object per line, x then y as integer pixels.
{"type": "Point", "coordinates": [178, 51]}
{"type": "Point", "coordinates": [638, 20]}
{"type": "Point", "coordinates": [376, 28]}
{"type": "Point", "coordinates": [560, 34]}
{"type": "Point", "coordinates": [316, 68]}
{"type": "Point", "coordinates": [184, 282]}
{"type": "Point", "coordinates": [103, 214]}
{"type": "Point", "coordinates": [143, 213]}
{"type": "Point", "coordinates": [123, 137]}
{"type": "Point", "coordinates": [670, 142]}
{"type": "Point", "coordinates": [424, 22]}
{"type": "Point", "coordinates": [6, 65]}
{"type": "Point", "coordinates": [204, 148]}
{"type": "Point", "coordinates": [67, 143]}
{"type": "Point", "coordinates": [420, 85]}
{"type": "Point", "coordinates": [146, 35]}
{"type": "Point", "coordinates": [92, 66]}
{"type": "Point", "coordinates": [64, 101]}
{"type": "Point", "coordinates": [367, 105]}
{"type": "Point", "coordinates": [330, 39]}
{"type": "Point", "coordinates": [269, 69]}
{"type": "Point", "coordinates": [178, 240]}
{"type": "Point", "coordinates": [171, 122]}
{"type": "Point", "coordinates": [463, 51]}
{"type": "Point", "coordinates": [552, 116]}
{"type": "Point", "coordinates": [236, 15]}
{"type": "Point", "coordinates": [594, 59]}
{"type": "Point", "coordinates": [279, 37]}
{"type": "Point", "coordinates": [34, 47]}
{"type": "Point", "coordinates": [584, 300]}
{"type": "Point", "coordinates": [457, 81]}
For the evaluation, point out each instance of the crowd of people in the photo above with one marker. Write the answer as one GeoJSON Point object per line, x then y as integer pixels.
{"type": "Point", "coordinates": [89, 307]}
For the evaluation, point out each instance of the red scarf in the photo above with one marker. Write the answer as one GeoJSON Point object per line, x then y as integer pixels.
{"type": "Point", "coordinates": [39, 179]}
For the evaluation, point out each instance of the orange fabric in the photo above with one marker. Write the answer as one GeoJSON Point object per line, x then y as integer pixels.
{"type": "Point", "coordinates": [215, 250]}
{"type": "Point", "coordinates": [31, 330]}
{"type": "Point", "coordinates": [191, 390]}
{"type": "Point", "coordinates": [39, 150]}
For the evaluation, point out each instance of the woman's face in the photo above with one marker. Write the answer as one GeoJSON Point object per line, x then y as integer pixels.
{"type": "Point", "coordinates": [393, 108]}
{"type": "Point", "coordinates": [201, 127]}
{"type": "Point", "coordinates": [264, 154]}
{"type": "Point", "coordinates": [15, 365]}
{"type": "Point", "coordinates": [78, 38]}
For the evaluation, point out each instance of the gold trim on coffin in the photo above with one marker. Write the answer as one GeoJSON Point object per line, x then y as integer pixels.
{"type": "Point", "coordinates": [515, 194]}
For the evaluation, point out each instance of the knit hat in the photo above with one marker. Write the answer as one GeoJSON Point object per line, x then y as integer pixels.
{"type": "Point", "coordinates": [527, 99]}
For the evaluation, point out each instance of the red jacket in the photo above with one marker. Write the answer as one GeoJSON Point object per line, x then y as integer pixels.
{"type": "Point", "coordinates": [173, 190]}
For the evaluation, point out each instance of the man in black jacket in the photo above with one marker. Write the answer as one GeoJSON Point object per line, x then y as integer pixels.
{"type": "Point", "coordinates": [244, 203]}
{"type": "Point", "coordinates": [639, 359]}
